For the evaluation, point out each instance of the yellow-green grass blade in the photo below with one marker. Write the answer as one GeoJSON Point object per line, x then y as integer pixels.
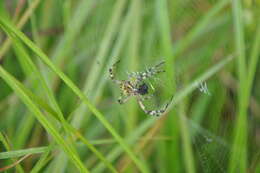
{"type": "Point", "coordinates": [44, 159]}
{"type": "Point", "coordinates": [5, 143]}
{"type": "Point", "coordinates": [254, 58]}
{"type": "Point", "coordinates": [186, 139]}
{"type": "Point", "coordinates": [13, 83]}
{"type": "Point", "coordinates": [32, 69]}
{"type": "Point", "coordinates": [238, 159]}
{"type": "Point", "coordinates": [20, 24]}
{"type": "Point", "coordinates": [92, 148]}
{"type": "Point", "coordinates": [19, 153]}
{"type": "Point", "coordinates": [74, 88]}
{"type": "Point", "coordinates": [42, 104]}
{"type": "Point", "coordinates": [171, 127]}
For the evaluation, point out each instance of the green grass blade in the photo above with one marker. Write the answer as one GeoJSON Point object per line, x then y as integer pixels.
{"type": "Point", "coordinates": [44, 105]}
{"type": "Point", "coordinates": [25, 59]}
{"type": "Point", "coordinates": [186, 138]}
{"type": "Point", "coordinates": [56, 115]}
{"type": "Point", "coordinates": [20, 24]}
{"type": "Point", "coordinates": [92, 148]}
{"type": "Point", "coordinates": [13, 83]}
{"type": "Point", "coordinates": [45, 158]}
{"type": "Point", "coordinates": [238, 159]}
{"type": "Point", "coordinates": [254, 58]}
{"type": "Point", "coordinates": [4, 155]}
{"type": "Point", "coordinates": [168, 150]}
{"type": "Point", "coordinates": [19, 153]}
{"type": "Point", "coordinates": [75, 89]}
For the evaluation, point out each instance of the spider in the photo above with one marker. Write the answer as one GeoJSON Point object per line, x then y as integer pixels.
{"type": "Point", "coordinates": [135, 86]}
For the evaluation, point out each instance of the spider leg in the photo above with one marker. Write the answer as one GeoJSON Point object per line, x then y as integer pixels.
{"type": "Point", "coordinates": [122, 99]}
{"type": "Point", "coordinates": [112, 73]}
{"type": "Point", "coordinates": [150, 72]}
{"type": "Point", "coordinates": [153, 70]}
{"type": "Point", "coordinates": [153, 112]}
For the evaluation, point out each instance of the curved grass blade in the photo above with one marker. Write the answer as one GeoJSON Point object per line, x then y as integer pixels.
{"type": "Point", "coordinates": [9, 28]}
{"type": "Point", "coordinates": [58, 116]}
{"type": "Point", "coordinates": [5, 143]}
{"type": "Point", "coordinates": [14, 164]}
{"type": "Point", "coordinates": [19, 153]}
{"type": "Point", "coordinates": [20, 24]}
{"type": "Point", "coordinates": [57, 113]}
{"type": "Point", "coordinates": [14, 84]}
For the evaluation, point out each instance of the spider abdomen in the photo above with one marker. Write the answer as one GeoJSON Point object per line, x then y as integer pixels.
{"type": "Point", "coordinates": [142, 89]}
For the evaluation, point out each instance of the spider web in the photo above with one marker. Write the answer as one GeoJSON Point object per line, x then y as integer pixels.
{"type": "Point", "coordinates": [211, 152]}
{"type": "Point", "coordinates": [211, 148]}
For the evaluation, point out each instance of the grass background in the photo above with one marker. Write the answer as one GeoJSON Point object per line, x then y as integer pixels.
{"type": "Point", "coordinates": [58, 109]}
